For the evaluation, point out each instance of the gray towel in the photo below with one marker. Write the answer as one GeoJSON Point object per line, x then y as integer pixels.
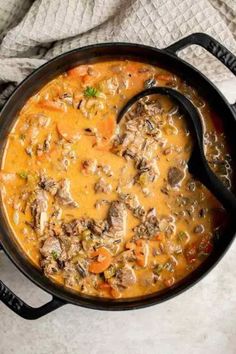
{"type": "Point", "coordinates": [34, 32]}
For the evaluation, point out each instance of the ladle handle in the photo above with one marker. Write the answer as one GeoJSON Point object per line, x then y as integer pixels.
{"type": "Point", "coordinates": [199, 167]}
{"type": "Point", "coordinates": [212, 46]}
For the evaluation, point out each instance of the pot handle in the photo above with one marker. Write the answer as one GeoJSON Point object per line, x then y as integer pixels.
{"type": "Point", "coordinates": [22, 309]}
{"type": "Point", "coordinates": [212, 46]}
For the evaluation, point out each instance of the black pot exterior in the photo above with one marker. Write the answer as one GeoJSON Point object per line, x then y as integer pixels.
{"type": "Point", "coordinates": [164, 58]}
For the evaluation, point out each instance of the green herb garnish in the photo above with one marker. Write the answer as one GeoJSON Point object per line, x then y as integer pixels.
{"type": "Point", "coordinates": [158, 269]}
{"type": "Point", "coordinates": [23, 174]}
{"type": "Point", "coordinates": [91, 92]}
{"type": "Point", "coordinates": [182, 236]}
{"type": "Point", "coordinates": [54, 255]}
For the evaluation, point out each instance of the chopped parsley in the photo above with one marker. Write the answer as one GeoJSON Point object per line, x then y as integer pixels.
{"type": "Point", "coordinates": [158, 269]}
{"type": "Point", "coordinates": [22, 174]}
{"type": "Point", "coordinates": [91, 92]}
{"type": "Point", "coordinates": [54, 255]}
{"type": "Point", "coordinates": [182, 236]}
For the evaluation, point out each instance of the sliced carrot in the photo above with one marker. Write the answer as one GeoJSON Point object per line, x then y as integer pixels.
{"type": "Point", "coordinates": [78, 71]}
{"type": "Point", "coordinates": [141, 253]}
{"type": "Point", "coordinates": [68, 130]}
{"type": "Point", "coordinates": [169, 282]}
{"type": "Point", "coordinates": [101, 264]}
{"type": "Point", "coordinates": [164, 77]}
{"type": "Point", "coordinates": [52, 105]}
{"type": "Point", "coordinates": [115, 293]}
{"type": "Point", "coordinates": [130, 245]}
{"type": "Point", "coordinates": [88, 79]}
{"type": "Point", "coordinates": [105, 286]}
{"type": "Point", "coordinates": [158, 237]}
{"type": "Point", "coordinates": [106, 128]}
{"type": "Point", "coordinates": [205, 245]}
{"type": "Point", "coordinates": [132, 68]}
{"type": "Point", "coordinates": [191, 252]}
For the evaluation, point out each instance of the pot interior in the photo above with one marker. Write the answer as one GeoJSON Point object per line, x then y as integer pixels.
{"type": "Point", "coordinates": [93, 54]}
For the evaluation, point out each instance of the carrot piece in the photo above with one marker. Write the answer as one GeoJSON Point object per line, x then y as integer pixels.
{"type": "Point", "coordinates": [132, 68]}
{"type": "Point", "coordinates": [78, 71]}
{"type": "Point", "coordinates": [158, 237]}
{"type": "Point", "coordinates": [141, 253]}
{"type": "Point", "coordinates": [191, 253]}
{"type": "Point", "coordinates": [164, 77]}
{"type": "Point", "coordinates": [52, 105]}
{"type": "Point", "coordinates": [115, 293]}
{"type": "Point", "coordinates": [68, 130]}
{"type": "Point", "coordinates": [106, 128]}
{"type": "Point", "coordinates": [169, 282]}
{"type": "Point", "coordinates": [105, 286]}
{"type": "Point", "coordinates": [130, 245]}
{"type": "Point", "coordinates": [87, 79]}
{"type": "Point", "coordinates": [205, 245]}
{"type": "Point", "coordinates": [103, 261]}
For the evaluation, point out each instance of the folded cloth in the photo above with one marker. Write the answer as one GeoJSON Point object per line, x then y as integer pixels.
{"type": "Point", "coordinates": [34, 32]}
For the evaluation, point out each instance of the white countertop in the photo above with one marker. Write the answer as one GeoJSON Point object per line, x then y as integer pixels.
{"type": "Point", "coordinates": [199, 321]}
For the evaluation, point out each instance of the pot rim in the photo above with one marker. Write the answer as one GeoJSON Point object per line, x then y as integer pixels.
{"type": "Point", "coordinates": [97, 302]}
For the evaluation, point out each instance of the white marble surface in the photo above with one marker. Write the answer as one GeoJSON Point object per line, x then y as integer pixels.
{"type": "Point", "coordinates": [199, 321]}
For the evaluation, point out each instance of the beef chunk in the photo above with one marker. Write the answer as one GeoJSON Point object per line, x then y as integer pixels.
{"type": "Point", "coordinates": [174, 176]}
{"type": "Point", "coordinates": [102, 187]}
{"type": "Point", "coordinates": [63, 194]}
{"type": "Point", "coordinates": [39, 211]}
{"type": "Point", "coordinates": [48, 184]}
{"type": "Point", "coordinates": [89, 166]}
{"type": "Point", "coordinates": [50, 266]}
{"type": "Point", "coordinates": [117, 219]}
{"type": "Point", "coordinates": [51, 247]}
{"type": "Point", "coordinates": [74, 227]}
{"type": "Point", "coordinates": [125, 277]}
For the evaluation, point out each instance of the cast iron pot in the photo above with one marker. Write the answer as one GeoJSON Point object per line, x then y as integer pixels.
{"type": "Point", "coordinates": [166, 58]}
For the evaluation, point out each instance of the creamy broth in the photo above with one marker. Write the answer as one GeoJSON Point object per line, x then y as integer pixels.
{"type": "Point", "coordinates": [111, 210]}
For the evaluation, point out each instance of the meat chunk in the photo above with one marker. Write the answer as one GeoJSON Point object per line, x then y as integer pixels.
{"type": "Point", "coordinates": [50, 266]}
{"type": "Point", "coordinates": [130, 200]}
{"type": "Point", "coordinates": [74, 247]}
{"type": "Point", "coordinates": [148, 171]}
{"type": "Point", "coordinates": [102, 187]}
{"type": "Point", "coordinates": [74, 227]}
{"type": "Point", "coordinates": [149, 225]}
{"type": "Point", "coordinates": [174, 176]}
{"type": "Point", "coordinates": [125, 277]}
{"type": "Point", "coordinates": [63, 194]}
{"type": "Point", "coordinates": [48, 184]}
{"type": "Point", "coordinates": [89, 166]}
{"type": "Point", "coordinates": [98, 227]}
{"type": "Point", "coordinates": [70, 274]}
{"type": "Point", "coordinates": [51, 247]}
{"type": "Point", "coordinates": [117, 216]}
{"type": "Point", "coordinates": [39, 211]}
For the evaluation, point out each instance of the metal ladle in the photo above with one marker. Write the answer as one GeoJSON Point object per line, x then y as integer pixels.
{"type": "Point", "coordinates": [197, 164]}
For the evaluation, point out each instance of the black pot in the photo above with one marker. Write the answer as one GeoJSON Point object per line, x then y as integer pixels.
{"type": "Point", "coordinates": [166, 58]}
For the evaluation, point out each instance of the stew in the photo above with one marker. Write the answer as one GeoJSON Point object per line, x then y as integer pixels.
{"type": "Point", "coordinates": [110, 210]}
